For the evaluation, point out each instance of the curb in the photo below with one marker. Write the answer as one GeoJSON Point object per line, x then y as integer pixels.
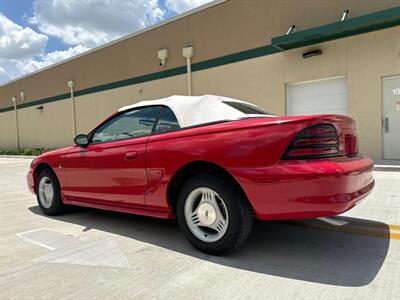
{"type": "Point", "coordinates": [387, 168]}
{"type": "Point", "coordinates": [18, 156]}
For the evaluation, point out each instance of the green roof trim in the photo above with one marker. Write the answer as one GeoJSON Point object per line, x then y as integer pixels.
{"type": "Point", "coordinates": [352, 26]}
{"type": "Point", "coordinates": [235, 57]}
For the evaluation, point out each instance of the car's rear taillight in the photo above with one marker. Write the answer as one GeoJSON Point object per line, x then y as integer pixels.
{"type": "Point", "coordinates": [351, 144]}
{"type": "Point", "coordinates": [318, 141]}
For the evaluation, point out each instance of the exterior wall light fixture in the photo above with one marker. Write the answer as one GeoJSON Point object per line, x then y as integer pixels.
{"type": "Point", "coordinates": [291, 29]}
{"type": "Point", "coordinates": [312, 53]}
{"type": "Point", "coordinates": [345, 14]}
{"type": "Point", "coordinates": [22, 95]}
{"type": "Point", "coordinates": [162, 56]}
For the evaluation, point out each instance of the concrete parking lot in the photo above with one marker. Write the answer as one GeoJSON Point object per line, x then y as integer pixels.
{"type": "Point", "coordinates": [93, 254]}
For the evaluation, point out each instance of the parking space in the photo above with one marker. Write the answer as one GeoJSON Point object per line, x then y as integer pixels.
{"type": "Point", "coordinates": [97, 254]}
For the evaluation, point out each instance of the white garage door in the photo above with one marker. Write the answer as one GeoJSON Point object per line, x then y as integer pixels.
{"type": "Point", "coordinates": [326, 96]}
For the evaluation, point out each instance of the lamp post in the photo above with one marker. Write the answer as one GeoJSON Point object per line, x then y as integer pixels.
{"type": "Point", "coordinates": [15, 100]}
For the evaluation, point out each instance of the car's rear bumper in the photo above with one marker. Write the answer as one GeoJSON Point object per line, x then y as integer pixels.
{"type": "Point", "coordinates": [306, 189]}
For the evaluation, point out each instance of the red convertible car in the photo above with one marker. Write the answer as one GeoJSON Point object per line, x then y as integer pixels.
{"type": "Point", "coordinates": [213, 162]}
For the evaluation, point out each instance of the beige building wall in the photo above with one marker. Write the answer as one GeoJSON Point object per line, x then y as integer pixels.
{"type": "Point", "coordinates": [50, 127]}
{"type": "Point", "coordinates": [259, 80]}
{"type": "Point", "coordinates": [371, 57]}
{"type": "Point", "coordinates": [364, 59]}
{"type": "Point", "coordinates": [228, 27]}
{"type": "Point", "coordinates": [8, 130]}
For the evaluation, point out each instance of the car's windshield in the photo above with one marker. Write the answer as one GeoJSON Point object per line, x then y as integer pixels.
{"type": "Point", "coordinates": [247, 109]}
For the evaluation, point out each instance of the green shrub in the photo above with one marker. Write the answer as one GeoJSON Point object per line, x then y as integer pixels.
{"type": "Point", "coordinates": [30, 152]}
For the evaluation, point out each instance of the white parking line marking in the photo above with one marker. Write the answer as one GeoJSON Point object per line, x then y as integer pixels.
{"type": "Point", "coordinates": [34, 230]}
{"type": "Point", "coordinates": [36, 242]}
{"type": "Point", "coordinates": [70, 250]}
{"type": "Point", "coordinates": [48, 238]}
{"type": "Point", "coordinates": [104, 253]}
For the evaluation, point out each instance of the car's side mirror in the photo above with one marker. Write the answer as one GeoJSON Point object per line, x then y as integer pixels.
{"type": "Point", "coordinates": [81, 140]}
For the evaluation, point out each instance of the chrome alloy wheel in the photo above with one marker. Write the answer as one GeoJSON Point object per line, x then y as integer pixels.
{"type": "Point", "coordinates": [206, 214]}
{"type": "Point", "coordinates": [45, 192]}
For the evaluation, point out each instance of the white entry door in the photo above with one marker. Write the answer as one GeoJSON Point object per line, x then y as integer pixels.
{"type": "Point", "coordinates": [391, 117]}
{"type": "Point", "coordinates": [325, 96]}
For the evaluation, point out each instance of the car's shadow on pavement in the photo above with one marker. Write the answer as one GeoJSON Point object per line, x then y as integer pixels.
{"type": "Point", "coordinates": [280, 249]}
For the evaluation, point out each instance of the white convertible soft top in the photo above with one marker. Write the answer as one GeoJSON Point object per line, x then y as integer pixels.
{"type": "Point", "coordinates": [196, 110]}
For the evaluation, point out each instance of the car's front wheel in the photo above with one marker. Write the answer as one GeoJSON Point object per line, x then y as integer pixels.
{"type": "Point", "coordinates": [48, 193]}
{"type": "Point", "coordinates": [213, 214]}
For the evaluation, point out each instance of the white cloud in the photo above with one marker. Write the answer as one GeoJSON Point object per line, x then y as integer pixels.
{"type": "Point", "coordinates": [81, 24]}
{"type": "Point", "coordinates": [2, 71]}
{"type": "Point", "coordinates": [31, 65]}
{"type": "Point", "coordinates": [94, 22]}
{"type": "Point", "coordinates": [180, 6]}
{"type": "Point", "coordinates": [91, 23]}
{"type": "Point", "coordinates": [18, 42]}
{"type": "Point", "coordinates": [13, 68]}
{"type": "Point", "coordinates": [22, 50]}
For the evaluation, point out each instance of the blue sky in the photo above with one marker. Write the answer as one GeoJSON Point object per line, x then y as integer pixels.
{"type": "Point", "coordinates": [18, 10]}
{"type": "Point", "coordinates": [38, 33]}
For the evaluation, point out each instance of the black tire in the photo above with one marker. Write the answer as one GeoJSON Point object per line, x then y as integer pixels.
{"type": "Point", "coordinates": [56, 206]}
{"type": "Point", "coordinates": [240, 214]}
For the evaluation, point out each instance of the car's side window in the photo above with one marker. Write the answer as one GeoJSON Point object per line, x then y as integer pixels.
{"type": "Point", "coordinates": [131, 124]}
{"type": "Point", "coordinates": [167, 121]}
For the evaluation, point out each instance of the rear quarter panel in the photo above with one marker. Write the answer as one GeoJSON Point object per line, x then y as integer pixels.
{"type": "Point", "coordinates": [245, 144]}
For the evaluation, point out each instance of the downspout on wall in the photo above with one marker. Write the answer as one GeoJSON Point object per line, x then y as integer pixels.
{"type": "Point", "coordinates": [71, 85]}
{"type": "Point", "coordinates": [188, 52]}
{"type": "Point", "coordinates": [14, 100]}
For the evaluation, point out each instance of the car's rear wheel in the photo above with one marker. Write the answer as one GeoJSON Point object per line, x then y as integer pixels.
{"type": "Point", "coordinates": [213, 214]}
{"type": "Point", "coordinates": [48, 193]}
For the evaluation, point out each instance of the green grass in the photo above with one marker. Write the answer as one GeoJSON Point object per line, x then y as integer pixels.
{"type": "Point", "coordinates": [29, 151]}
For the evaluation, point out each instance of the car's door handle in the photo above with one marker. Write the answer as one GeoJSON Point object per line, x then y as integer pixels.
{"type": "Point", "coordinates": [131, 155]}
